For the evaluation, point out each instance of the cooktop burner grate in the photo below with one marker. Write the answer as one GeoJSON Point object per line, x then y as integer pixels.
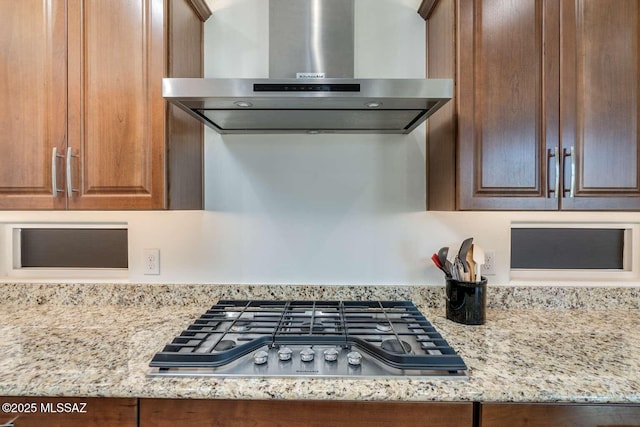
{"type": "Point", "coordinates": [394, 333]}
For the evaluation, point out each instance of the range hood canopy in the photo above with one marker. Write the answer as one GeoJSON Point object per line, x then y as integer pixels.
{"type": "Point", "coordinates": [311, 88]}
{"type": "Point", "coordinates": [245, 106]}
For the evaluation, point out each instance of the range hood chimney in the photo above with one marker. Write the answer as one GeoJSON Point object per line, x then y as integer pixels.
{"type": "Point", "coordinates": [311, 86]}
{"type": "Point", "coordinates": [311, 38]}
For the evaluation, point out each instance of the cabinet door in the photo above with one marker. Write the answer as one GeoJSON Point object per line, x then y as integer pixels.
{"type": "Point", "coordinates": [544, 415]}
{"type": "Point", "coordinates": [600, 95]}
{"type": "Point", "coordinates": [33, 102]}
{"type": "Point", "coordinates": [68, 412]}
{"type": "Point", "coordinates": [508, 77]}
{"type": "Point", "coordinates": [284, 413]}
{"type": "Point", "coordinates": [116, 110]}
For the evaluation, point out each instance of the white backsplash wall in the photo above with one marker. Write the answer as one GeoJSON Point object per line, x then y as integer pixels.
{"type": "Point", "coordinates": [250, 248]}
{"type": "Point", "coordinates": [318, 208]}
{"type": "Point", "coordinates": [309, 209]}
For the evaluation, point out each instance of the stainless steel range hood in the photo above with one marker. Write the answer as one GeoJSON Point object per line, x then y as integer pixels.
{"type": "Point", "coordinates": [311, 88]}
{"type": "Point", "coordinates": [243, 106]}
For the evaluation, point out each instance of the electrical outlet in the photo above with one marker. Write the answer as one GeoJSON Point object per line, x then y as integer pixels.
{"type": "Point", "coordinates": [151, 261]}
{"type": "Point", "coordinates": [489, 266]}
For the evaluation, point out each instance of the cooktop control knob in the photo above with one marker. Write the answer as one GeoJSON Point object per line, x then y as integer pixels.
{"type": "Point", "coordinates": [260, 357]}
{"type": "Point", "coordinates": [306, 355]}
{"type": "Point", "coordinates": [331, 355]}
{"type": "Point", "coordinates": [284, 353]}
{"type": "Point", "coordinates": [354, 358]}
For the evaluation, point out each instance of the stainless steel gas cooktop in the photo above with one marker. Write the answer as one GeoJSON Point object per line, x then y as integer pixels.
{"type": "Point", "coordinates": [310, 338]}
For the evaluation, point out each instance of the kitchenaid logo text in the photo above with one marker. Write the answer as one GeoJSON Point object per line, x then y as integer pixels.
{"type": "Point", "coordinates": [44, 407]}
{"type": "Point", "coordinates": [310, 75]}
{"type": "Point", "coordinates": [305, 371]}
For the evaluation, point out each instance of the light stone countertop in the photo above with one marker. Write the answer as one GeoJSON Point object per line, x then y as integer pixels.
{"type": "Point", "coordinates": [67, 340]}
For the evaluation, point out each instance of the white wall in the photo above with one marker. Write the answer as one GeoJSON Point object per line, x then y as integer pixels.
{"type": "Point", "coordinates": [318, 208]}
{"type": "Point", "coordinates": [310, 208]}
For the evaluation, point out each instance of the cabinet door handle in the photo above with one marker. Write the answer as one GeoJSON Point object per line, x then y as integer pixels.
{"type": "Point", "coordinates": [572, 184]}
{"type": "Point", "coordinates": [572, 192]}
{"type": "Point", "coordinates": [70, 188]}
{"type": "Point", "coordinates": [54, 174]}
{"type": "Point", "coordinates": [556, 188]}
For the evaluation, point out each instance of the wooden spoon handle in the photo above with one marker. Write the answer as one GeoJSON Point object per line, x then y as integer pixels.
{"type": "Point", "coordinates": [472, 266]}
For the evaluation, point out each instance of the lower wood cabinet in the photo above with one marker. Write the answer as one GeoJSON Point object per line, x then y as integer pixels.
{"type": "Point", "coordinates": [558, 415]}
{"type": "Point", "coordinates": [68, 412]}
{"type": "Point", "coordinates": [282, 413]}
{"type": "Point", "coordinates": [125, 412]}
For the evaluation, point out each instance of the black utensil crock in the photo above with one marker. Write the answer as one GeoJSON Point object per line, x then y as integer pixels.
{"type": "Point", "coordinates": [466, 301]}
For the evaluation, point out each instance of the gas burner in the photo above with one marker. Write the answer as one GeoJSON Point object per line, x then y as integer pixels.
{"type": "Point", "coordinates": [225, 345]}
{"type": "Point", "coordinates": [240, 326]}
{"type": "Point", "coordinates": [384, 327]}
{"type": "Point", "coordinates": [318, 327]}
{"type": "Point", "coordinates": [395, 346]}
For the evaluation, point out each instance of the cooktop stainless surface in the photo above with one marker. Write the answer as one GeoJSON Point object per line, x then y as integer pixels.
{"type": "Point", "coordinates": [312, 339]}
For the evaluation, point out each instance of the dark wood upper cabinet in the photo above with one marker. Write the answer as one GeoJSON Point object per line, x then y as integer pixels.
{"type": "Point", "coordinates": [85, 77]}
{"type": "Point", "coordinates": [545, 115]}
{"type": "Point", "coordinates": [507, 92]}
{"type": "Point", "coordinates": [600, 84]}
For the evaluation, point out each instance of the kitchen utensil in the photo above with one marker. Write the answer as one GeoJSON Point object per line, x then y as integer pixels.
{"type": "Point", "coordinates": [471, 274]}
{"type": "Point", "coordinates": [452, 254]}
{"type": "Point", "coordinates": [442, 255]}
{"type": "Point", "coordinates": [457, 272]}
{"type": "Point", "coordinates": [462, 253]}
{"type": "Point", "coordinates": [436, 261]}
{"type": "Point", "coordinates": [478, 258]}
